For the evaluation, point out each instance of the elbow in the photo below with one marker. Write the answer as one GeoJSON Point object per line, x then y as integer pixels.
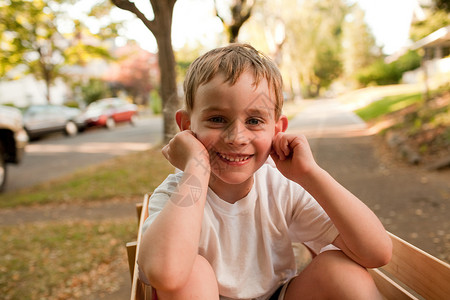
{"type": "Point", "coordinates": [383, 254]}
{"type": "Point", "coordinates": [386, 255]}
{"type": "Point", "coordinates": [161, 275]}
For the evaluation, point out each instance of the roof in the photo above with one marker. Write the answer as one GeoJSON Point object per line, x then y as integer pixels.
{"type": "Point", "coordinates": [439, 37]}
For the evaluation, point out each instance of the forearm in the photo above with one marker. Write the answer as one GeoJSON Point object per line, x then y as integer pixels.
{"type": "Point", "coordinates": [170, 245]}
{"type": "Point", "coordinates": [362, 236]}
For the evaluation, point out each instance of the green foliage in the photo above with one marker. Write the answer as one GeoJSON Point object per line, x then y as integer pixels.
{"type": "Point", "coordinates": [95, 89]}
{"type": "Point", "coordinates": [360, 49]}
{"type": "Point", "coordinates": [32, 39]}
{"type": "Point", "coordinates": [380, 73]}
{"type": "Point", "coordinates": [73, 104]}
{"type": "Point", "coordinates": [314, 32]}
{"type": "Point", "coordinates": [155, 102]}
{"type": "Point", "coordinates": [409, 61]}
{"type": "Point", "coordinates": [185, 56]}
{"type": "Point", "coordinates": [437, 20]}
{"type": "Point", "coordinates": [329, 68]}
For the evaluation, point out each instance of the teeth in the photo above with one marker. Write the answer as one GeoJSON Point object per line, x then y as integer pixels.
{"type": "Point", "coordinates": [234, 159]}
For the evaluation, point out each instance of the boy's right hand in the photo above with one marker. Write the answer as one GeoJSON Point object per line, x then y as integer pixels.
{"type": "Point", "coordinates": [183, 148]}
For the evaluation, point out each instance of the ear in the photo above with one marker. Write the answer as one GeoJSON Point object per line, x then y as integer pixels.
{"type": "Point", "coordinates": [183, 120]}
{"type": "Point", "coordinates": [282, 124]}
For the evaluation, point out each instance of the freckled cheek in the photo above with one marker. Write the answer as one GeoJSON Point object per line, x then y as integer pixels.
{"type": "Point", "coordinates": [207, 139]}
{"type": "Point", "coordinates": [264, 144]}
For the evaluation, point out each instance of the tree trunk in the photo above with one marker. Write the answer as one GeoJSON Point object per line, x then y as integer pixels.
{"type": "Point", "coordinates": [169, 95]}
{"type": "Point", "coordinates": [161, 27]}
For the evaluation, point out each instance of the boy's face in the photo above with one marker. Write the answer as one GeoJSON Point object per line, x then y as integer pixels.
{"type": "Point", "coordinates": [236, 123]}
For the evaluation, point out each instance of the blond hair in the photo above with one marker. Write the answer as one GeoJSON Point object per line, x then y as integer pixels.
{"type": "Point", "coordinates": [232, 61]}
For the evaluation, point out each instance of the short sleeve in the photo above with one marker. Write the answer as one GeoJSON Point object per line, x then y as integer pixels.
{"type": "Point", "coordinates": [310, 224]}
{"type": "Point", "coordinates": [160, 196]}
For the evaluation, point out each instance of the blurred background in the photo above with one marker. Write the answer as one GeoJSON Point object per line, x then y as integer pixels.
{"type": "Point", "coordinates": [88, 91]}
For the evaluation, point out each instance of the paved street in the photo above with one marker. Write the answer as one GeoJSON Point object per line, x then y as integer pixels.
{"type": "Point", "coordinates": [57, 155]}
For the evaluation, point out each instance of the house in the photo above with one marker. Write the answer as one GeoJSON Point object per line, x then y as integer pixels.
{"type": "Point", "coordinates": [436, 57]}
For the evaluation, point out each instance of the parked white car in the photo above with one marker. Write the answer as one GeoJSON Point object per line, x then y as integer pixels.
{"type": "Point", "coordinates": [13, 140]}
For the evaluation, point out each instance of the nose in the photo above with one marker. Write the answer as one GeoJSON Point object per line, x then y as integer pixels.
{"type": "Point", "coordinates": [236, 133]}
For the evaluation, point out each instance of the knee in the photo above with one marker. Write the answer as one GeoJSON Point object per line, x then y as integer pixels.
{"type": "Point", "coordinates": [343, 278]}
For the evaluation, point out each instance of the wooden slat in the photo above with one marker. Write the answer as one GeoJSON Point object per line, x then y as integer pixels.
{"type": "Point", "coordinates": [389, 288]}
{"type": "Point", "coordinates": [136, 286]}
{"type": "Point", "coordinates": [138, 211]}
{"type": "Point", "coordinates": [131, 254]}
{"type": "Point", "coordinates": [423, 273]}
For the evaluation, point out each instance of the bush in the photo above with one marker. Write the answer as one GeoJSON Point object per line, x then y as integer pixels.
{"type": "Point", "coordinates": [155, 102]}
{"type": "Point", "coordinates": [407, 62]}
{"type": "Point", "coordinates": [380, 73]}
{"type": "Point", "coordinates": [95, 89]}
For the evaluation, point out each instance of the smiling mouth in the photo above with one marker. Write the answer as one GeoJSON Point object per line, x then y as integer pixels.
{"type": "Point", "coordinates": [234, 158]}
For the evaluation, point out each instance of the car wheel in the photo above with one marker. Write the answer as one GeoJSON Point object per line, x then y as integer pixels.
{"type": "Point", "coordinates": [110, 123]}
{"type": "Point", "coordinates": [71, 129]}
{"type": "Point", "coordinates": [133, 120]}
{"type": "Point", "coordinates": [2, 168]}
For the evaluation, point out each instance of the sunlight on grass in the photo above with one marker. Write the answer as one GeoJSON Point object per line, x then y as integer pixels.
{"type": "Point", "coordinates": [62, 260]}
{"type": "Point", "coordinates": [122, 177]}
{"type": "Point", "coordinates": [388, 105]}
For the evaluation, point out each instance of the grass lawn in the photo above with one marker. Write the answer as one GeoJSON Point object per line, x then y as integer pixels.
{"type": "Point", "coordinates": [422, 126]}
{"type": "Point", "coordinates": [388, 105]}
{"type": "Point", "coordinates": [67, 259]}
{"type": "Point", "coordinates": [119, 178]}
{"type": "Point", "coordinates": [62, 260]}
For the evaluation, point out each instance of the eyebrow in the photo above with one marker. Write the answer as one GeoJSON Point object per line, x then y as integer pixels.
{"type": "Point", "coordinates": [259, 111]}
{"type": "Point", "coordinates": [263, 111]}
{"type": "Point", "coordinates": [212, 109]}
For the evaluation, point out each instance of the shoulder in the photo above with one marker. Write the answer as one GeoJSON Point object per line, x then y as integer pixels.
{"type": "Point", "coordinates": [268, 175]}
{"type": "Point", "coordinates": [271, 184]}
{"type": "Point", "coordinates": [169, 184]}
{"type": "Point", "coordinates": [163, 192]}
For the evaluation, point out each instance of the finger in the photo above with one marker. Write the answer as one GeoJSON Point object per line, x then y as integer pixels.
{"type": "Point", "coordinates": [285, 145]}
{"type": "Point", "coordinates": [165, 151]}
{"type": "Point", "coordinates": [277, 143]}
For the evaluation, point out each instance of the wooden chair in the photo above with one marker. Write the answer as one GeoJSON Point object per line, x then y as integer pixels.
{"type": "Point", "coordinates": [139, 290]}
{"type": "Point", "coordinates": [411, 274]}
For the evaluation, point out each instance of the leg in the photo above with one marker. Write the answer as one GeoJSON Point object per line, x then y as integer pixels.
{"type": "Point", "coordinates": [202, 284]}
{"type": "Point", "coordinates": [332, 275]}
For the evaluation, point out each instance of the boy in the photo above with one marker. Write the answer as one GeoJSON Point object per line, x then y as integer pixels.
{"type": "Point", "coordinates": [225, 224]}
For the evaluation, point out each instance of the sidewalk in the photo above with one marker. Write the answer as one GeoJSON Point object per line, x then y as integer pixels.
{"type": "Point", "coordinates": [411, 202]}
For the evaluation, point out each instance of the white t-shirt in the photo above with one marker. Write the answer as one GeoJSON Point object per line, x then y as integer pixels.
{"type": "Point", "coordinates": [249, 243]}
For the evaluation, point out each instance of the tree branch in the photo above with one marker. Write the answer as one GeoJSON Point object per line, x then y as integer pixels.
{"type": "Point", "coordinates": [217, 13]}
{"type": "Point", "coordinates": [131, 7]}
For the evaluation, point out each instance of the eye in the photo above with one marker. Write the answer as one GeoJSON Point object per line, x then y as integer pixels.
{"type": "Point", "coordinates": [254, 122]}
{"type": "Point", "coordinates": [216, 119]}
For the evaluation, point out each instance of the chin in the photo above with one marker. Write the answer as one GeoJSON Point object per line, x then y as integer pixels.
{"type": "Point", "coordinates": [232, 177]}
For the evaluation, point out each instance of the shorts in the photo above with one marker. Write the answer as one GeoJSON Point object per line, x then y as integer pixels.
{"type": "Point", "coordinates": [281, 291]}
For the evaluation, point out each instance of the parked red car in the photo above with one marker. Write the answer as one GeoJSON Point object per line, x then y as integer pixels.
{"type": "Point", "coordinates": [107, 112]}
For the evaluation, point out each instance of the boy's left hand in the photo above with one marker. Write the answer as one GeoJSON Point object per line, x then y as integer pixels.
{"type": "Point", "coordinates": [292, 156]}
